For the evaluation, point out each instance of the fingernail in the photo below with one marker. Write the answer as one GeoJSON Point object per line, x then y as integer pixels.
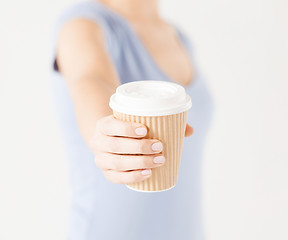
{"type": "Point", "coordinates": [141, 131]}
{"type": "Point", "coordinates": [146, 172]}
{"type": "Point", "coordinates": [159, 159]}
{"type": "Point", "coordinates": [157, 146]}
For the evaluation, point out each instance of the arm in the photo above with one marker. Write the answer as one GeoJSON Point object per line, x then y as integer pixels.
{"type": "Point", "coordinates": [92, 78]}
{"type": "Point", "coordinates": [89, 72]}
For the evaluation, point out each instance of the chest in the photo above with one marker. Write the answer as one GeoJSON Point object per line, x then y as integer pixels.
{"type": "Point", "coordinates": [167, 51]}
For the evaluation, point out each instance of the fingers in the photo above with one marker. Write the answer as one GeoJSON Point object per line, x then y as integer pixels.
{"type": "Point", "coordinates": [189, 130]}
{"type": "Point", "coordinates": [122, 145]}
{"type": "Point", "coordinates": [114, 127]}
{"type": "Point", "coordinates": [108, 161]}
{"type": "Point", "coordinates": [127, 177]}
{"type": "Point", "coordinates": [122, 152]}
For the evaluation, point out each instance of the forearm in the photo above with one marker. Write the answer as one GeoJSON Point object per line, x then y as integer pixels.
{"type": "Point", "coordinates": [91, 102]}
{"type": "Point", "coordinates": [89, 72]}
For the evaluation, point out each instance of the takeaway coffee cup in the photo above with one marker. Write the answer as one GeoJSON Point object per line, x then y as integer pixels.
{"type": "Point", "coordinates": [162, 106]}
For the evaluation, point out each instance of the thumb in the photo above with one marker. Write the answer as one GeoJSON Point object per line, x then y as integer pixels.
{"type": "Point", "coordinates": [189, 130]}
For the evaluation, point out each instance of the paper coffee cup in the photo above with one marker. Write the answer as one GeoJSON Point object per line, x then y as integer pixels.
{"type": "Point", "coordinates": [162, 107]}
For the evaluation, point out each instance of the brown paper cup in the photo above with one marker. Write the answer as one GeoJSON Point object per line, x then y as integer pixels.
{"type": "Point", "coordinates": [170, 129]}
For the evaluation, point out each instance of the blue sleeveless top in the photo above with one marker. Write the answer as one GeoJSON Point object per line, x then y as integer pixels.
{"type": "Point", "coordinates": [101, 210]}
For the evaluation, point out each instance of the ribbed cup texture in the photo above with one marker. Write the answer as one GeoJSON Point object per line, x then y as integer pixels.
{"type": "Point", "coordinates": [170, 130]}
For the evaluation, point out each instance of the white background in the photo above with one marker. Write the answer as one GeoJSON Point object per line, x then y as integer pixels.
{"type": "Point", "coordinates": [241, 49]}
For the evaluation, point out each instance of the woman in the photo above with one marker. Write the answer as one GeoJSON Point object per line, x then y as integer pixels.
{"type": "Point", "coordinates": [98, 46]}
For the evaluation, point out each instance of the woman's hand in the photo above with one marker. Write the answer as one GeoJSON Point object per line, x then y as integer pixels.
{"type": "Point", "coordinates": [189, 130]}
{"type": "Point", "coordinates": [117, 145]}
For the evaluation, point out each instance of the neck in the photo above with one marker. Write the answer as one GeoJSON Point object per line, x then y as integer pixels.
{"type": "Point", "coordinates": [136, 10]}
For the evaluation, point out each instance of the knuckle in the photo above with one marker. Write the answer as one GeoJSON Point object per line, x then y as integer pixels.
{"type": "Point", "coordinates": [107, 161]}
{"type": "Point", "coordinates": [109, 119]}
{"type": "Point", "coordinates": [106, 175]}
{"type": "Point", "coordinates": [95, 143]}
{"type": "Point", "coordinates": [109, 177]}
{"type": "Point", "coordinates": [141, 145]}
{"type": "Point", "coordinates": [127, 129]}
{"type": "Point", "coordinates": [98, 159]}
{"type": "Point", "coordinates": [99, 124]}
{"type": "Point", "coordinates": [114, 163]}
{"type": "Point", "coordinates": [103, 123]}
{"type": "Point", "coordinates": [113, 144]}
{"type": "Point", "coordinates": [99, 143]}
{"type": "Point", "coordinates": [146, 161]}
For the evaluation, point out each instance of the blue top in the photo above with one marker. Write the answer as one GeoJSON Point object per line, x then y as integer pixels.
{"type": "Point", "coordinates": [106, 211]}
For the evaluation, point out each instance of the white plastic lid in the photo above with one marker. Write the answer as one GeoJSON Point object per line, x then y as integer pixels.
{"type": "Point", "coordinates": [150, 98]}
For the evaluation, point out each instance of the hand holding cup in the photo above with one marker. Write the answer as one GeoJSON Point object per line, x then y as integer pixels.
{"type": "Point", "coordinates": [122, 152]}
